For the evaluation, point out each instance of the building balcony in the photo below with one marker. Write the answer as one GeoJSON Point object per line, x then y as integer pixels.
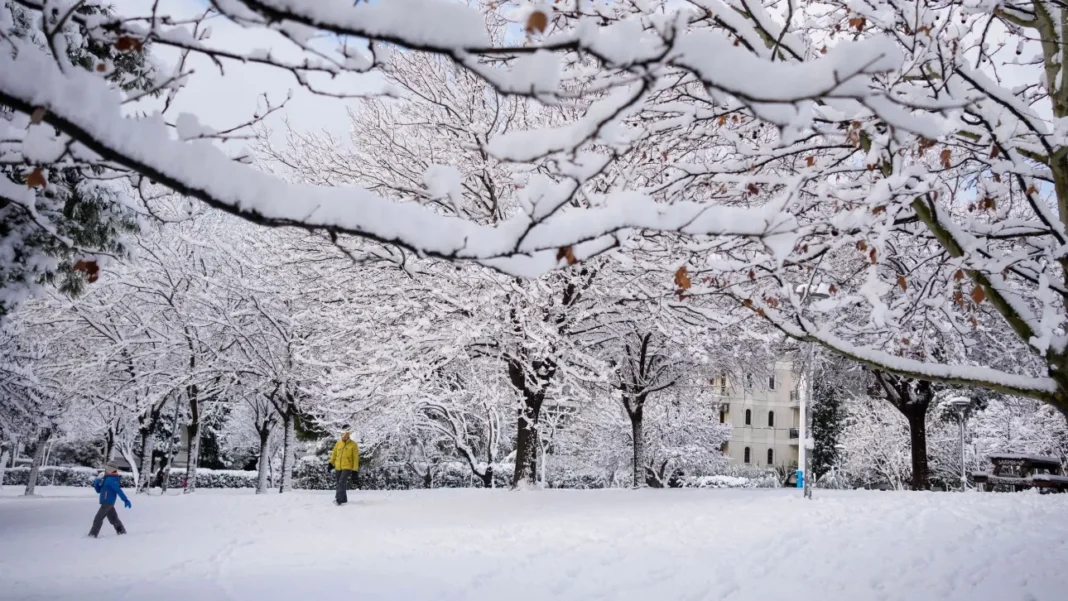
{"type": "Point", "coordinates": [795, 398]}
{"type": "Point", "coordinates": [795, 434]}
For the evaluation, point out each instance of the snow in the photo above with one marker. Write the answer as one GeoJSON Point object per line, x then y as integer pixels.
{"type": "Point", "coordinates": [517, 246]}
{"type": "Point", "coordinates": [489, 545]}
{"type": "Point", "coordinates": [1025, 457]}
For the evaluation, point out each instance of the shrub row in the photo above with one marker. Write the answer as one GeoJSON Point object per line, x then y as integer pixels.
{"type": "Point", "coordinates": [313, 473]}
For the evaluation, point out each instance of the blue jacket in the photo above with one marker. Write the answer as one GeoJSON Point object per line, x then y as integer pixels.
{"type": "Point", "coordinates": [108, 487]}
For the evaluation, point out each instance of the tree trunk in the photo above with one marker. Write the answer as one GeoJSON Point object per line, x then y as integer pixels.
{"type": "Point", "coordinates": [144, 476]}
{"type": "Point", "coordinates": [3, 467]}
{"type": "Point", "coordinates": [288, 451]}
{"type": "Point", "coordinates": [263, 462]}
{"type": "Point", "coordinates": [636, 419]}
{"type": "Point", "coordinates": [38, 459]}
{"type": "Point", "coordinates": [192, 456]}
{"type": "Point", "coordinates": [109, 445]}
{"type": "Point", "coordinates": [917, 418]}
{"type": "Point", "coordinates": [526, 444]}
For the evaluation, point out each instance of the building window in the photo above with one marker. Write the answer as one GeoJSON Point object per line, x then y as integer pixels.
{"type": "Point", "coordinates": [771, 382]}
{"type": "Point", "coordinates": [724, 448]}
{"type": "Point", "coordinates": [746, 455]}
{"type": "Point", "coordinates": [771, 419]}
{"type": "Point", "coordinates": [748, 417]}
{"type": "Point", "coordinates": [771, 456]}
{"type": "Point", "coordinates": [722, 415]}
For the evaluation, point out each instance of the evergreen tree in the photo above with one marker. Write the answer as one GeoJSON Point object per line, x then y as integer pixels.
{"type": "Point", "coordinates": [827, 423]}
{"type": "Point", "coordinates": [56, 220]}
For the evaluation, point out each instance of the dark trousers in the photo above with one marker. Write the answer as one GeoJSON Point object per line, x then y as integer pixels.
{"type": "Point", "coordinates": [107, 511]}
{"type": "Point", "coordinates": [342, 492]}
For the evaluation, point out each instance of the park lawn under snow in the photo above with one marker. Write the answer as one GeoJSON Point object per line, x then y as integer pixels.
{"type": "Point", "coordinates": [761, 545]}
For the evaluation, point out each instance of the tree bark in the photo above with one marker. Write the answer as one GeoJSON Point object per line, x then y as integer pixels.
{"type": "Point", "coordinates": [526, 444]}
{"type": "Point", "coordinates": [3, 467]}
{"type": "Point", "coordinates": [288, 450]}
{"type": "Point", "coordinates": [917, 418]}
{"type": "Point", "coordinates": [636, 424]}
{"type": "Point", "coordinates": [193, 453]}
{"type": "Point", "coordinates": [263, 462]}
{"type": "Point", "coordinates": [192, 457]}
{"type": "Point", "coordinates": [148, 447]}
{"type": "Point", "coordinates": [38, 459]}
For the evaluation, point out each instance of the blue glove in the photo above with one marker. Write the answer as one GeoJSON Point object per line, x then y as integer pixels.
{"type": "Point", "coordinates": [129, 505]}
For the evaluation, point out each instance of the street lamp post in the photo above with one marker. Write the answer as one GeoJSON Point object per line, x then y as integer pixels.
{"type": "Point", "coordinates": [805, 475]}
{"type": "Point", "coordinates": [961, 405]}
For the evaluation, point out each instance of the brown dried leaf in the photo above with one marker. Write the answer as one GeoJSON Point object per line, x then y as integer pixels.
{"type": "Point", "coordinates": [722, 120]}
{"type": "Point", "coordinates": [862, 245]}
{"type": "Point", "coordinates": [959, 275]}
{"type": "Point", "coordinates": [958, 297]}
{"type": "Point", "coordinates": [101, 67]}
{"type": "Point", "coordinates": [857, 23]}
{"type": "Point", "coordinates": [833, 289]}
{"type": "Point", "coordinates": [994, 151]}
{"type": "Point", "coordinates": [878, 209]}
{"type": "Point", "coordinates": [811, 160]}
{"type": "Point", "coordinates": [127, 43]}
{"type": "Point", "coordinates": [1032, 191]}
{"type": "Point", "coordinates": [871, 255]}
{"type": "Point", "coordinates": [36, 179]}
{"type": "Point", "coordinates": [771, 302]}
{"type": "Point", "coordinates": [90, 268]}
{"type": "Point", "coordinates": [901, 282]}
{"type": "Point", "coordinates": [947, 158]}
{"type": "Point", "coordinates": [566, 253]}
{"type": "Point", "coordinates": [752, 275]}
{"type": "Point", "coordinates": [978, 294]}
{"type": "Point", "coordinates": [38, 115]}
{"type": "Point", "coordinates": [682, 279]}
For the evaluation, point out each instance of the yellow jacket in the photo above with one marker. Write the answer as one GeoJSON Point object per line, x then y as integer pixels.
{"type": "Point", "coordinates": [346, 455]}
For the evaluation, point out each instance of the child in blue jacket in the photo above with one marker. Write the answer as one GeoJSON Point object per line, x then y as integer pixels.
{"type": "Point", "coordinates": [110, 491]}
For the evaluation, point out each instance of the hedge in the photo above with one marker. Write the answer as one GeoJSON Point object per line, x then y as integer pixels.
{"type": "Point", "coordinates": [312, 473]}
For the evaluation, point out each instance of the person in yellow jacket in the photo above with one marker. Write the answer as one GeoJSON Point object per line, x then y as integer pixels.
{"type": "Point", "coordinates": [345, 458]}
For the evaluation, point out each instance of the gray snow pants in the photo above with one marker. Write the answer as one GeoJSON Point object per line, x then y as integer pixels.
{"type": "Point", "coordinates": [341, 494]}
{"type": "Point", "coordinates": [107, 511]}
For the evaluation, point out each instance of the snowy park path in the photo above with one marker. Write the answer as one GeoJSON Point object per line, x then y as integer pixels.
{"type": "Point", "coordinates": [473, 545]}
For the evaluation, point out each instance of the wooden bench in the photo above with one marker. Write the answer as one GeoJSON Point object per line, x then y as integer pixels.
{"type": "Point", "coordinates": [1015, 472]}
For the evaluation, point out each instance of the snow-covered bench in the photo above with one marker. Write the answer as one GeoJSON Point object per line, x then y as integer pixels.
{"type": "Point", "coordinates": [1017, 472]}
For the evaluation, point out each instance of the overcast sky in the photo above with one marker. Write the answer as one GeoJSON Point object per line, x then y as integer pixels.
{"type": "Point", "coordinates": [223, 101]}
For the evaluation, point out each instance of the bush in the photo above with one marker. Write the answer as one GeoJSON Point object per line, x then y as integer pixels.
{"type": "Point", "coordinates": [59, 476]}
{"type": "Point", "coordinates": [84, 476]}
{"type": "Point", "coordinates": [216, 478]}
{"type": "Point", "coordinates": [735, 477]}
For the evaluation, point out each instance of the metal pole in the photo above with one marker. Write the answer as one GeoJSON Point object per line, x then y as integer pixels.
{"type": "Point", "coordinates": [808, 425]}
{"type": "Point", "coordinates": [963, 472]}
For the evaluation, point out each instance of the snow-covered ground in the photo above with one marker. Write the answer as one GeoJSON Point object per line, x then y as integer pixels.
{"type": "Point", "coordinates": [471, 545]}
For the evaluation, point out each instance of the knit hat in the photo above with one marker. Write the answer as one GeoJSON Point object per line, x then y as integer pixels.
{"type": "Point", "coordinates": [111, 467]}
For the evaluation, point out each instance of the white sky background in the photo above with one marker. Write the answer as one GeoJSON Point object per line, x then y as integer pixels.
{"type": "Point", "coordinates": [222, 101]}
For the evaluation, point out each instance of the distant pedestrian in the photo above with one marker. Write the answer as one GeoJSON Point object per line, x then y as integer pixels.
{"type": "Point", "coordinates": [110, 491]}
{"type": "Point", "coordinates": [345, 459]}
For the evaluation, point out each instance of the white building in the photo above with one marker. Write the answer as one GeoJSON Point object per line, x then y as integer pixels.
{"type": "Point", "coordinates": [765, 413]}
